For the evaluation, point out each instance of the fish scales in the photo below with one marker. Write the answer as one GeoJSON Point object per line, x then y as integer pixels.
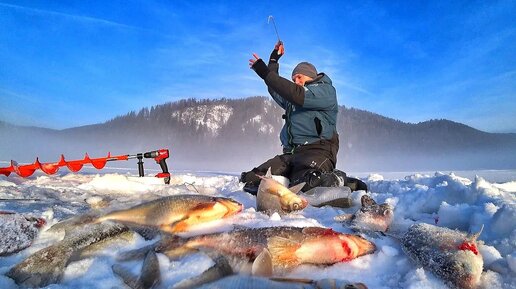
{"type": "Point", "coordinates": [252, 239]}
{"type": "Point", "coordinates": [274, 197]}
{"type": "Point", "coordinates": [17, 231]}
{"type": "Point", "coordinates": [439, 250]}
{"type": "Point", "coordinates": [178, 213]}
{"type": "Point", "coordinates": [47, 265]}
{"type": "Point", "coordinates": [288, 245]}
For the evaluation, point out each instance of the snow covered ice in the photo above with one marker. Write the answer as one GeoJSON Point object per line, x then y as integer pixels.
{"type": "Point", "coordinates": [444, 199]}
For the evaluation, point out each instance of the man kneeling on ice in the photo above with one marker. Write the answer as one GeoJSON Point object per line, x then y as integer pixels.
{"type": "Point", "coordinates": [309, 136]}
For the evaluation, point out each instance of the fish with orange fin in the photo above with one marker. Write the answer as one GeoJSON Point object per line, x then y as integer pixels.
{"type": "Point", "coordinates": [285, 246]}
{"type": "Point", "coordinates": [315, 245]}
{"type": "Point", "coordinates": [450, 254]}
{"type": "Point", "coordinates": [273, 197]}
{"type": "Point", "coordinates": [175, 214]}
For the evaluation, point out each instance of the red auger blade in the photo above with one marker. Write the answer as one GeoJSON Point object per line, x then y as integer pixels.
{"type": "Point", "coordinates": [25, 171]}
{"type": "Point", "coordinates": [7, 171]}
{"type": "Point", "coordinates": [100, 163]}
{"type": "Point", "coordinates": [76, 165]}
{"type": "Point", "coordinates": [52, 168]}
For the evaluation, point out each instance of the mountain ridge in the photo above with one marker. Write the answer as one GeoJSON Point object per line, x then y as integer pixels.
{"type": "Point", "coordinates": [214, 133]}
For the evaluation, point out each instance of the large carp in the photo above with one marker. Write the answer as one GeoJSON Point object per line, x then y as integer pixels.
{"type": "Point", "coordinates": [178, 213]}
{"type": "Point", "coordinates": [288, 246]}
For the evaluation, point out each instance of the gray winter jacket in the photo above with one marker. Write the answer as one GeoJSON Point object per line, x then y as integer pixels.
{"type": "Point", "coordinates": [310, 110]}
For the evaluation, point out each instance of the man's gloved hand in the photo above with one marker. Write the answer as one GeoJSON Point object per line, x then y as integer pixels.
{"type": "Point", "coordinates": [278, 51]}
{"type": "Point", "coordinates": [259, 66]}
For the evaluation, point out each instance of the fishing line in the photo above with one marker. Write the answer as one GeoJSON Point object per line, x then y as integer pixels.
{"type": "Point", "coordinates": [193, 185]}
{"type": "Point", "coordinates": [273, 23]}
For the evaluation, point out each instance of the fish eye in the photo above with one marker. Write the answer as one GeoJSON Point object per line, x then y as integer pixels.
{"type": "Point", "coordinates": [295, 206]}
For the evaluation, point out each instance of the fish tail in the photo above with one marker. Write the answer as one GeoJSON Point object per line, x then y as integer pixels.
{"type": "Point", "coordinates": [127, 277]}
{"type": "Point", "coordinates": [151, 275]}
{"type": "Point", "coordinates": [283, 251]}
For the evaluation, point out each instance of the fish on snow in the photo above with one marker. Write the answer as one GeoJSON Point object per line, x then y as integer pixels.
{"type": "Point", "coordinates": [288, 246]}
{"type": "Point", "coordinates": [47, 265]}
{"type": "Point", "coordinates": [177, 213]}
{"type": "Point", "coordinates": [274, 197]}
{"type": "Point", "coordinates": [18, 231]}
{"type": "Point", "coordinates": [450, 254]}
{"type": "Point", "coordinates": [371, 216]}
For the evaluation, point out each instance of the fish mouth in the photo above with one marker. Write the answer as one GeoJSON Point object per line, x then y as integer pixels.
{"type": "Point", "coordinates": [233, 207]}
{"type": "Point", "coordinates": [297, 206]}
{"type": "Point", "coordinates": [365, 246]}
{"type": "Point", "coordinates": [304, 202]}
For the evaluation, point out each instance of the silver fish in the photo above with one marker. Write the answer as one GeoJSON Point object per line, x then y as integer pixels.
{"type": "Point", "coordinates": [178, 213]}
{"type": "Point", "coordinates": [288, 246]}
{"type": "Point", "coordinates": [273, 197]}
{"type": "Point", "coordinates": [47, 265]}
{"type": "Point", "coordinates": [450, 254]}
{"type": "Point", "coordinates": [371, 216]}
{"type": "Point", "coordinates": [328, 196]}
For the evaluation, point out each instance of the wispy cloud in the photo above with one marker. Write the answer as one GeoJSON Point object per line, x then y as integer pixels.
{"type": "Point", "coordinates": [80, 18]}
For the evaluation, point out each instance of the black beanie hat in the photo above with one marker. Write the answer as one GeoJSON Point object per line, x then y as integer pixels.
{"type": "Point", "coordinates": [305, 68]}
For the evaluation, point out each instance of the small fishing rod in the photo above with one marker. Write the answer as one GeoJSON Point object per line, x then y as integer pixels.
{"type": "Point", "coordinates": [271, 19]}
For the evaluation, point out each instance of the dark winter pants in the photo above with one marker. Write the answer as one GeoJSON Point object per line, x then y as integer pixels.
{"type": "Point", "coordinates": [320, 156]}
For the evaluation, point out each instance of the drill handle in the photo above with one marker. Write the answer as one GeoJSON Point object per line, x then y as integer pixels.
{"type": "Point", "coordinates": [141, 171]}
{"type": "Point", "coordinates": [160, 156]}
{"type": "Point", "coordinates": [164, 174]}
{"type": "Point", "coordinates": [163, 165]}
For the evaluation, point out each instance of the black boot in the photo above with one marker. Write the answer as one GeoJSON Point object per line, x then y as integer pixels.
{"type": "Point", "coordinates": [328, 189]}
{"type": "Point", "coordinates": [315, 179]}
{"type": "Point", "coordinates": [251, 182]}
{"type": "Point", "coordinates": [356, 184]}
{"type": "Point", "coordinates": [251, 188]}
{"type": "Point", "coordinates": [335, 178]}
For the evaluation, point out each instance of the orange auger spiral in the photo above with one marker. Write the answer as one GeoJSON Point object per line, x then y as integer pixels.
{"type": "Point", "coordinates": [25, 171]}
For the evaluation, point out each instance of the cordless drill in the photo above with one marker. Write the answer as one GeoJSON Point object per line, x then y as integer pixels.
{"type": "Point", "coordinates": [160, 157]}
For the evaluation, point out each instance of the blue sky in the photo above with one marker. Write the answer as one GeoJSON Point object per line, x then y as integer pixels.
{"type": "Point", "coordinates": [72, 63]}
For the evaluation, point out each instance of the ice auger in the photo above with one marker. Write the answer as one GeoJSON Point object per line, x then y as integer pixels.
{"type": "Point", "coordinates": [24, 171]}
